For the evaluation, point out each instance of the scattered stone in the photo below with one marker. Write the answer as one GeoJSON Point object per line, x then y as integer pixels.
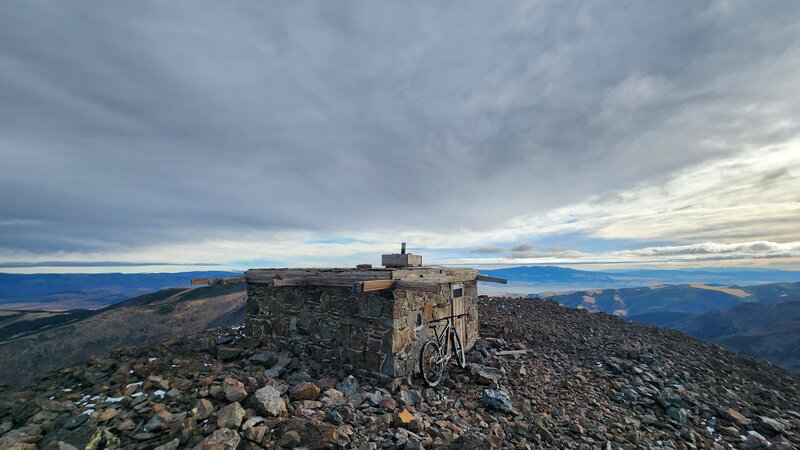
{"type": "Point", "coordinates": [754, 440]}
{"type": "Point", "coordinates": [255, 434]}
{"type": "Point", "coordinates": [769, 426]}
{"type": "Point", "coordinates": [497, 399]}
{"type": "Point", "coordinates": [158, 422]}
{"type": "Point", "coordinates": [468, 441]}
{"type": "Point", "coordinates": [304, 391]}
{"type": "Point", "coordinates": [486, 375]}
{"type": "Point", "coordinates": [223, 439]}
{"type": "Point", "coordinates": [158, 382]}
{"type": "Point", "coordinates": [402, 418]}
{"type": "Point", "coordinates": [677, 414]}
{"type": "Point", "coordinates": [388, 404]}
{"type": "Point", "coordinates": [737, 417]}
{"type": "Point", "coordinates": [231, 416]}
{"type": "Point", "coordinates": [348, 386]}
{"type": "Point", "coordinates": [108, 414]}
{"type": "Point", "coordinates": [202, 409]}
{"type": "Point", "coordinates": [332, 397]}
{"type": "Point", "coordinates": [228, 353]}
{"type": "Point", "coordinates": [234, 390]}
{"type": "Point", "coordinates": [270, 402]}
{"type": "Point", "coordinates": [171, 445]}
{"type": "Point", "coordinates": [668, 397]}
{"type": "Point", "coordinates": [76, 421]}
{"type": "Point", "coordinates": [28, 434]}
{"type": "Point", "coordinates": [266, 359]}
{"type": "Point", "coordinates": [290, 439]}
{"type": "Point", "coordinates": [409, 397]}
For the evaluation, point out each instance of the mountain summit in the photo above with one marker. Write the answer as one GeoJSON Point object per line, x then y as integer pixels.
{"type": "Point", "coordinates": [541, 376]}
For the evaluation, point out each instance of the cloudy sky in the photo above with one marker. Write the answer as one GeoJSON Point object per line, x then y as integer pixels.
{"type": "Point", "coordinates": [597, 134]}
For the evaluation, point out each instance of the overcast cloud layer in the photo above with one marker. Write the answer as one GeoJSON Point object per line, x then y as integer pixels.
{"type": "Point", "coordinates": [258, 133]}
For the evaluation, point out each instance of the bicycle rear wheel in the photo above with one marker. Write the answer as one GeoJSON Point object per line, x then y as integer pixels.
{"type": "Point", "coordinates": [431, 365]}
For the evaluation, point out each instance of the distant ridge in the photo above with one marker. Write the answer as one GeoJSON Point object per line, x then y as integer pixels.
{"type": "Point", "coordinates": [584, 279]}
{"type": "Point", "coordinates": [88, 291]}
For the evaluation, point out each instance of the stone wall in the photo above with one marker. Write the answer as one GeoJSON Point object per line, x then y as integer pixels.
{"type": "Point", "coordinates": [379, 331]}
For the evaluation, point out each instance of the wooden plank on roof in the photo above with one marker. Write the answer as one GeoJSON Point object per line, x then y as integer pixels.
{"type": "Point", "coordinates": [265, 276]}
{"type": "Point", "coordinates": [436, 275]}
{"type": "Point", "coordinates": [373, 285]}
{"type": "Point", "coordinates": [489, 279]}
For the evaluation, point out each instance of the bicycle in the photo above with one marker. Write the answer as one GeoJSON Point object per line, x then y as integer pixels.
{"type": "Point", "coordinates": [435, 354]}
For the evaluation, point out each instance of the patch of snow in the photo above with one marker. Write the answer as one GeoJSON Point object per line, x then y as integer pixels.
{"type": "Point", "coordinates": [96, 397]}
{"type": "Point", "coordinates": [90, 405]}
{"type": "Point", "coordinates": [710, 430]}
{"type": "Point", "coordinates": [138, 383]}
{"type": "Point", "coordinates": [67, 390]}
{"type": "Point", "coordinates": [206, 365]}
{"type": "Point", "coordinates": [52, 397]}
{"type": "Point", "coordinates": [88, 412]}
{"type": "Point", "coordinates": [137, 394]}
{"type": "Point", "coordinates": [114, 399]}
{"type": "Point", "coordinates": [159, 393]}
{"type": "Point", "coordinates": [151, 359]}
{"type": "Point", "coordinates": [599, 364]}
{"type": "Point", "coordinates": [130, 371]}
{"type": "Point", "coordinates": [174, 365]}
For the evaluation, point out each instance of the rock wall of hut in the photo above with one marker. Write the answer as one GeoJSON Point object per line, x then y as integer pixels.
{"type": "Point", "coordinates": [379, 331]}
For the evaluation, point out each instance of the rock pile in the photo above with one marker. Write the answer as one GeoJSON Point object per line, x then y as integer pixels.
{"type": "Point", "coordinates": [541, 376]}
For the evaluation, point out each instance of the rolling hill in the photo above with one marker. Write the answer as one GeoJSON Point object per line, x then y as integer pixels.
{"type": "Point", "coordinates": [769, 331]}
{"type": "Point", "coordinates": [32, 343]}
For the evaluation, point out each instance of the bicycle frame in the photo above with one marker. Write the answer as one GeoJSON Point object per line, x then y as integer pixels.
{"type": "Point", "coordinates": [445, 336]}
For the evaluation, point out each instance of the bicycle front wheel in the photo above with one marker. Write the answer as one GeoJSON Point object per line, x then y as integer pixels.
{"type": "Point", "coordinates": [431, 365]}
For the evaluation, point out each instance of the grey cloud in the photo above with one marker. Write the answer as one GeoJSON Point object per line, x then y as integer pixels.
{"type": "Point", "coordinates": [715, 250]}
{"type": "Point", "coordinates": [131, 124]}
{"type": "Point", "coordinates": [523, 248]}
{"type": "Point", "coordinates": [487, 250]}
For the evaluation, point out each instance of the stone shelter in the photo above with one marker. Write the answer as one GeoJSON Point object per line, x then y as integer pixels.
{"type": "Point", "coordinates": [374, 319]}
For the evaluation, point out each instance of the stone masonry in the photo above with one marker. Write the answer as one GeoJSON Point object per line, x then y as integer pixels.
{"type": "Point", "coordinates": [340, 321]}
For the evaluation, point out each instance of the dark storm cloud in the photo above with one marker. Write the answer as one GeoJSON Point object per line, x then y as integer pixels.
{"type": "Point", "coordinates": [128, 124]}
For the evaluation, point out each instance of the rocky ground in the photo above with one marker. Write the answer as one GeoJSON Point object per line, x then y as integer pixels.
{"type": "Point", "coordinates": [542, 376]}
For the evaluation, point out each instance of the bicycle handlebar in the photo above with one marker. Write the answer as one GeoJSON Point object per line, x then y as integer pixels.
{"type": "Point", "coordinates": [447, 318]}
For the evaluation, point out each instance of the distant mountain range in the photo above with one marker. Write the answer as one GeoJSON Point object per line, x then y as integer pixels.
{"type": "Point", "coordinates": [55, 292]}
{"type": "Point", "coordinates": [563, 275]}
